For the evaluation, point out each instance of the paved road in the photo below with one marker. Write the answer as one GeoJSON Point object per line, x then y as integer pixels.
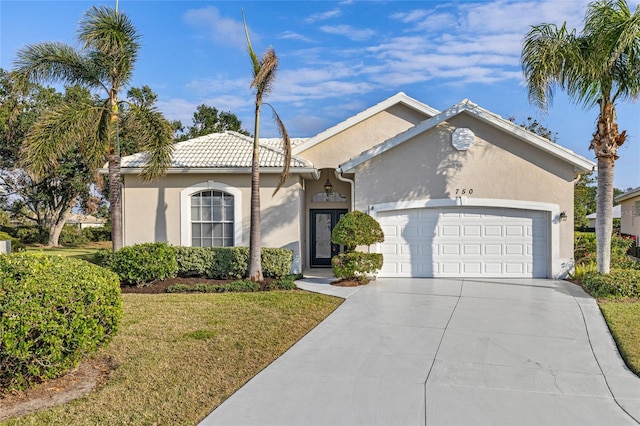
{"type": "Point", "coordinates": [447, 352]}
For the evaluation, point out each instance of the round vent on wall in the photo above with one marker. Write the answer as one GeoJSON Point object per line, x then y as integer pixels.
{"type": "Point", "coordinates": [462, 139]}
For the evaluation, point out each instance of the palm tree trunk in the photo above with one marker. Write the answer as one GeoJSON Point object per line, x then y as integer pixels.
{"type": "Point", "coordinates": [255, 258]}
{"type": "Point", "coordinates": [604, 207]}
{"type": "Point", "coordinates": [115, 201]}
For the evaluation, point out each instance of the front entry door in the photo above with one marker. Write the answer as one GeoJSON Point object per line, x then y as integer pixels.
{"type": "Point", "coordinates": [322, 223]}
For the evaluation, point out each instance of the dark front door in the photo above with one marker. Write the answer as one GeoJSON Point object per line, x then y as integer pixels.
{"type": "Point", "coordinates": [322, 223]}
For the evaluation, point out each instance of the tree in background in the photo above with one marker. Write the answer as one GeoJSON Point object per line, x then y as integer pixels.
{"type": "Point", "coordinates": [600, 66]}
{"type": "Point", "coordinates": [104, 64]}
{"type": "Point", "coordinates": [264, 73]}
{"type": "Point", "coordinates": [206, 120]}
{"type": "Point", "coordinates": [47, 202]}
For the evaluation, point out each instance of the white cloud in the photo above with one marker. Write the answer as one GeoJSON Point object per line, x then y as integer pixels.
{"type": "Point", "coordinates": [348, 31]}
{"type": "Point", "coordinates": [220, 30]}
{"type": "Point", "coordinates": [316, 17]}
{"type": "Point", "coordinates": [290, 35]}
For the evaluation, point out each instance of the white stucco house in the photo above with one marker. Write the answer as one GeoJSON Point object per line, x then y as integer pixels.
{"type": "Point", "coordinates": [630, 212]}
{"type": "Point", "coordinates": [459, 193]}
{"type": "Point", "coordinates": [615, 214]}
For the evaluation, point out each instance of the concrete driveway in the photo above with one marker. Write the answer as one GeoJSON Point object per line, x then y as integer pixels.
{"type": "Point", "coordinates": [447, 352]}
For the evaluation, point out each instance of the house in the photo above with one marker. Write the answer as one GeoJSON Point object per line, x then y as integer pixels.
{"type": "Point", "coordinates": [615, 214]}
{"type": "Point", "coordinates": [85, 221]}
{"type": "Point", "coordinates": [459, 193]}
{"type": "Point", "coordinates": [630, 212]}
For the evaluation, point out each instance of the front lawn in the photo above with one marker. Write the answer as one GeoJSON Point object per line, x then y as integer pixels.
{"type": "Point", "coordinates": [179, 356]}
{"type": "Point", "coordinates": [623, 319]}
{"type": "Point", "coordinates": [83, 251]}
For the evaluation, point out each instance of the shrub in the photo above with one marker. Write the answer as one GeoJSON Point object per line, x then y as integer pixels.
{"type": "Point", "coordinates": [194, 261]}
{"type": "Point", "coordinates": [95, 234]}
{"type": "Point", "coordinates": [232, 262]}
{"type": "Point", "coordinates": [72, 235]}
{"type": "Point", "coordinates": [235, 286]}
{"type": "Point", "coordinates": [32, 235]}
{"type": "Point", "coordinates": [142, 264]}
{"type": "Point", "coordinates": [356, 265]}
{"type": "Point", "coordinates": [16, 244]}
{"type": "Point", "coordinates": [229, 263]}
{"type": "Point", "coordinates": [103, 257]}
{"type": "Point", "coordinates": [276, 262]}
{"type": "Point", "coordinates": [618, 283]}
{"type": "Point", "coordinates": [355, 229]}
{"type": "Point", "coordinates": [55, 311]}
{"type": "Point", "coordinates": [581, 269]}
{"type": "Point", "coordinates": [585, 249]}
{"type": "Point", "coordinates": [284, 283]}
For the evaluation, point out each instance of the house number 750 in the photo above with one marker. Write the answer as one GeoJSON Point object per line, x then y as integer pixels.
{"type": "Point", "coordinates": [464, 191]}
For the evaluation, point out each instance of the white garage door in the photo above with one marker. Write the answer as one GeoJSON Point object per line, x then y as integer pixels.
{"type": "Point", "coordinates": [464, 242]}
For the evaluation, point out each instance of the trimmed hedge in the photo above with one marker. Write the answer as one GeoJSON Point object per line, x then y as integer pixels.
{"type": "Point", "coordinates": [618, 283]}
{"type": "Point", "coordinates": [355, 264]}
{"type": "Point", "coordinates": [357, 229]}
{"type": "Point", "coordinates": [235, 286]}
{"type": "Point", "coordinates": [142, 264]}
{"type": "Point", "coordinates": [194, 261]}
{"type": "Point", "coordinates": [54, 312]}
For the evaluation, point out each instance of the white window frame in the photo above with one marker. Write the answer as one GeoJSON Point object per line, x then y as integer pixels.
{"type": "Point", "coordinates": [185, 209]}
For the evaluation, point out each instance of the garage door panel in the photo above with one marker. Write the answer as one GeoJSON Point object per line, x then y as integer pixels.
{"type": "Point", "coordinates": [466, 242]}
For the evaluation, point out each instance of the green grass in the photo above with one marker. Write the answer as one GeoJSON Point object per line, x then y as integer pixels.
{"type": "Point", "coordinates": [180, 355]}
{"type": "Point", "coordinates": [84, 251]}
{"type": "Point", "coordinates": [623, 319]}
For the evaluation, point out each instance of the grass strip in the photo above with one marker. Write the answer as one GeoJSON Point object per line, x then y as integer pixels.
{"type": "Point", "coordinates": [179, 356]}
{"type": "Point", "coordinates": [623, 319]}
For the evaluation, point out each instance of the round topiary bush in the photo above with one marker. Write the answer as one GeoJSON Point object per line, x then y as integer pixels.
{"type": "Point", "coordinates": [352, 230]}
{"type": "Point", "coordinates": [54, 312]}
{"type": "Point", "coordinates": [357, 229]}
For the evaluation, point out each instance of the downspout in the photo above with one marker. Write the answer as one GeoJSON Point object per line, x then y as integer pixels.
{"type": "Point", "coordinates": [338, 172]}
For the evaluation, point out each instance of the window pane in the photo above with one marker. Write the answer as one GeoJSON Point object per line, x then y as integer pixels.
{"type": "Point", "coordinates": [228, 242]}
{"type": "Point", "coordinates": [217, 230]}
{"type": "Point", "coordinates": [207, 229]}
{"type": "Point", "coordinates": [195, 200]}
{"type": "Point", "coordinates": [217, 214]}
{"type": "Point", "coordinates": [195, 213]}
{"type": "Point", "coordinates": [217, 199]}
{"type": "Point", "coordinates": [195, 230]}
{"type": "Point", "coordinates": [228, 230]}
{"type": "Point", "coordinates": [195, 242]}
{"type": "Point", "coordinates": [206, 242]}
{"type": "Point", "coordinates": [228, 213]}
{"type": "Point", "coordinates": [206, 201]}
{"type": "Point", "coordinates": [206, 213]}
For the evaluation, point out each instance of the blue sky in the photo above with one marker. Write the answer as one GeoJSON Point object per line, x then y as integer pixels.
{"type": "Point", "coordinates": [336, 58]}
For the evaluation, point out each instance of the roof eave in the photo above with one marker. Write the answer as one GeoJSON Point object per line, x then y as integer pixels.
{"type": "Point", "coordinates": [312, 172]}
{"type": "Point", "coordinates": [398, 98]}
{"type": "Point", "coordinates": [580, 164]}
{"type": "Point", "coordinates": [635, 192]}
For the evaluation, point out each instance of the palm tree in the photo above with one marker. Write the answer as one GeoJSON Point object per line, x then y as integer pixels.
{"type": "Point", "coordinates": [104, 64]}
{"type": "Point", "coordinates": [264, 74]}
{"type": "Point", "coordinates": [600, 66]}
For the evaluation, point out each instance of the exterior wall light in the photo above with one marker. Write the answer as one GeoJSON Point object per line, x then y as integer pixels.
{"type": "Point", "coordinates": [563, 216]}
{"type": "Point", "coordinates": [328, 187]}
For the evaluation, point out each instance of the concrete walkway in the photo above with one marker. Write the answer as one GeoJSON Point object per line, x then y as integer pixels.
{"type": "Point", "coordinates": [446, 352]}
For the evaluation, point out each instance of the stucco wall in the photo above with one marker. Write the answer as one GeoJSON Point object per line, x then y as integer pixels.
{"type": "Point", "coordinates": [362, 136]}
{"type": "Point", "coordinates": [497, 166]}
{"type": "Point", "coordinates": [151, 211]}
{"type": "Point", "coordinates": [629, 222]}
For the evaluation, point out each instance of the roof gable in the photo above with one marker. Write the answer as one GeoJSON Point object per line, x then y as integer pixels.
{"type": "Point", "coordinates": [580, 163]}
{"type": "Point", "coordinates": [398, 98]}
{"type": "Point", "coordinates": [227, 150]}
{"type": "Point", "coordinates": [635, 192]}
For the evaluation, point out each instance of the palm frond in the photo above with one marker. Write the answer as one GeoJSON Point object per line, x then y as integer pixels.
{"type": "Point", "coordinates": [155, 135]}
{"type": "Point", "coordinates": [56, 132]}
{"type": "Point", "coordinates": [264, 79]}
{"type": "Point", "coordinates": [46, 62]}
{"type": "Point", "coordinates": [286, 147]}
{"type": "Point", "coordinates": [252, 54]}
{"type": "Point", "coordinates": [113, 38]}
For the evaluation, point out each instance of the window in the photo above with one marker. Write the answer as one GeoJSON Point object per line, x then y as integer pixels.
{"type": "Point", "coordinates": [637, 208]}
{"type": "Point", "coordinates": [212, 219]}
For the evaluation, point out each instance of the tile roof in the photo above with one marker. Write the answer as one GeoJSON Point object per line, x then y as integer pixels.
{"type": "Point", "coordinates": [223, 150]}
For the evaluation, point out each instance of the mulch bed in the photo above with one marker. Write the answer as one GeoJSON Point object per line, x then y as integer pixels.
{"type": "Point", "coordinates": [162, 286]}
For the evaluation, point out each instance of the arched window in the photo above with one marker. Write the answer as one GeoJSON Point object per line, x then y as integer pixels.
{"type": "Point", "coordinates": [210, 215]}
{"type": "Point", "coordinates": [212, 219]}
